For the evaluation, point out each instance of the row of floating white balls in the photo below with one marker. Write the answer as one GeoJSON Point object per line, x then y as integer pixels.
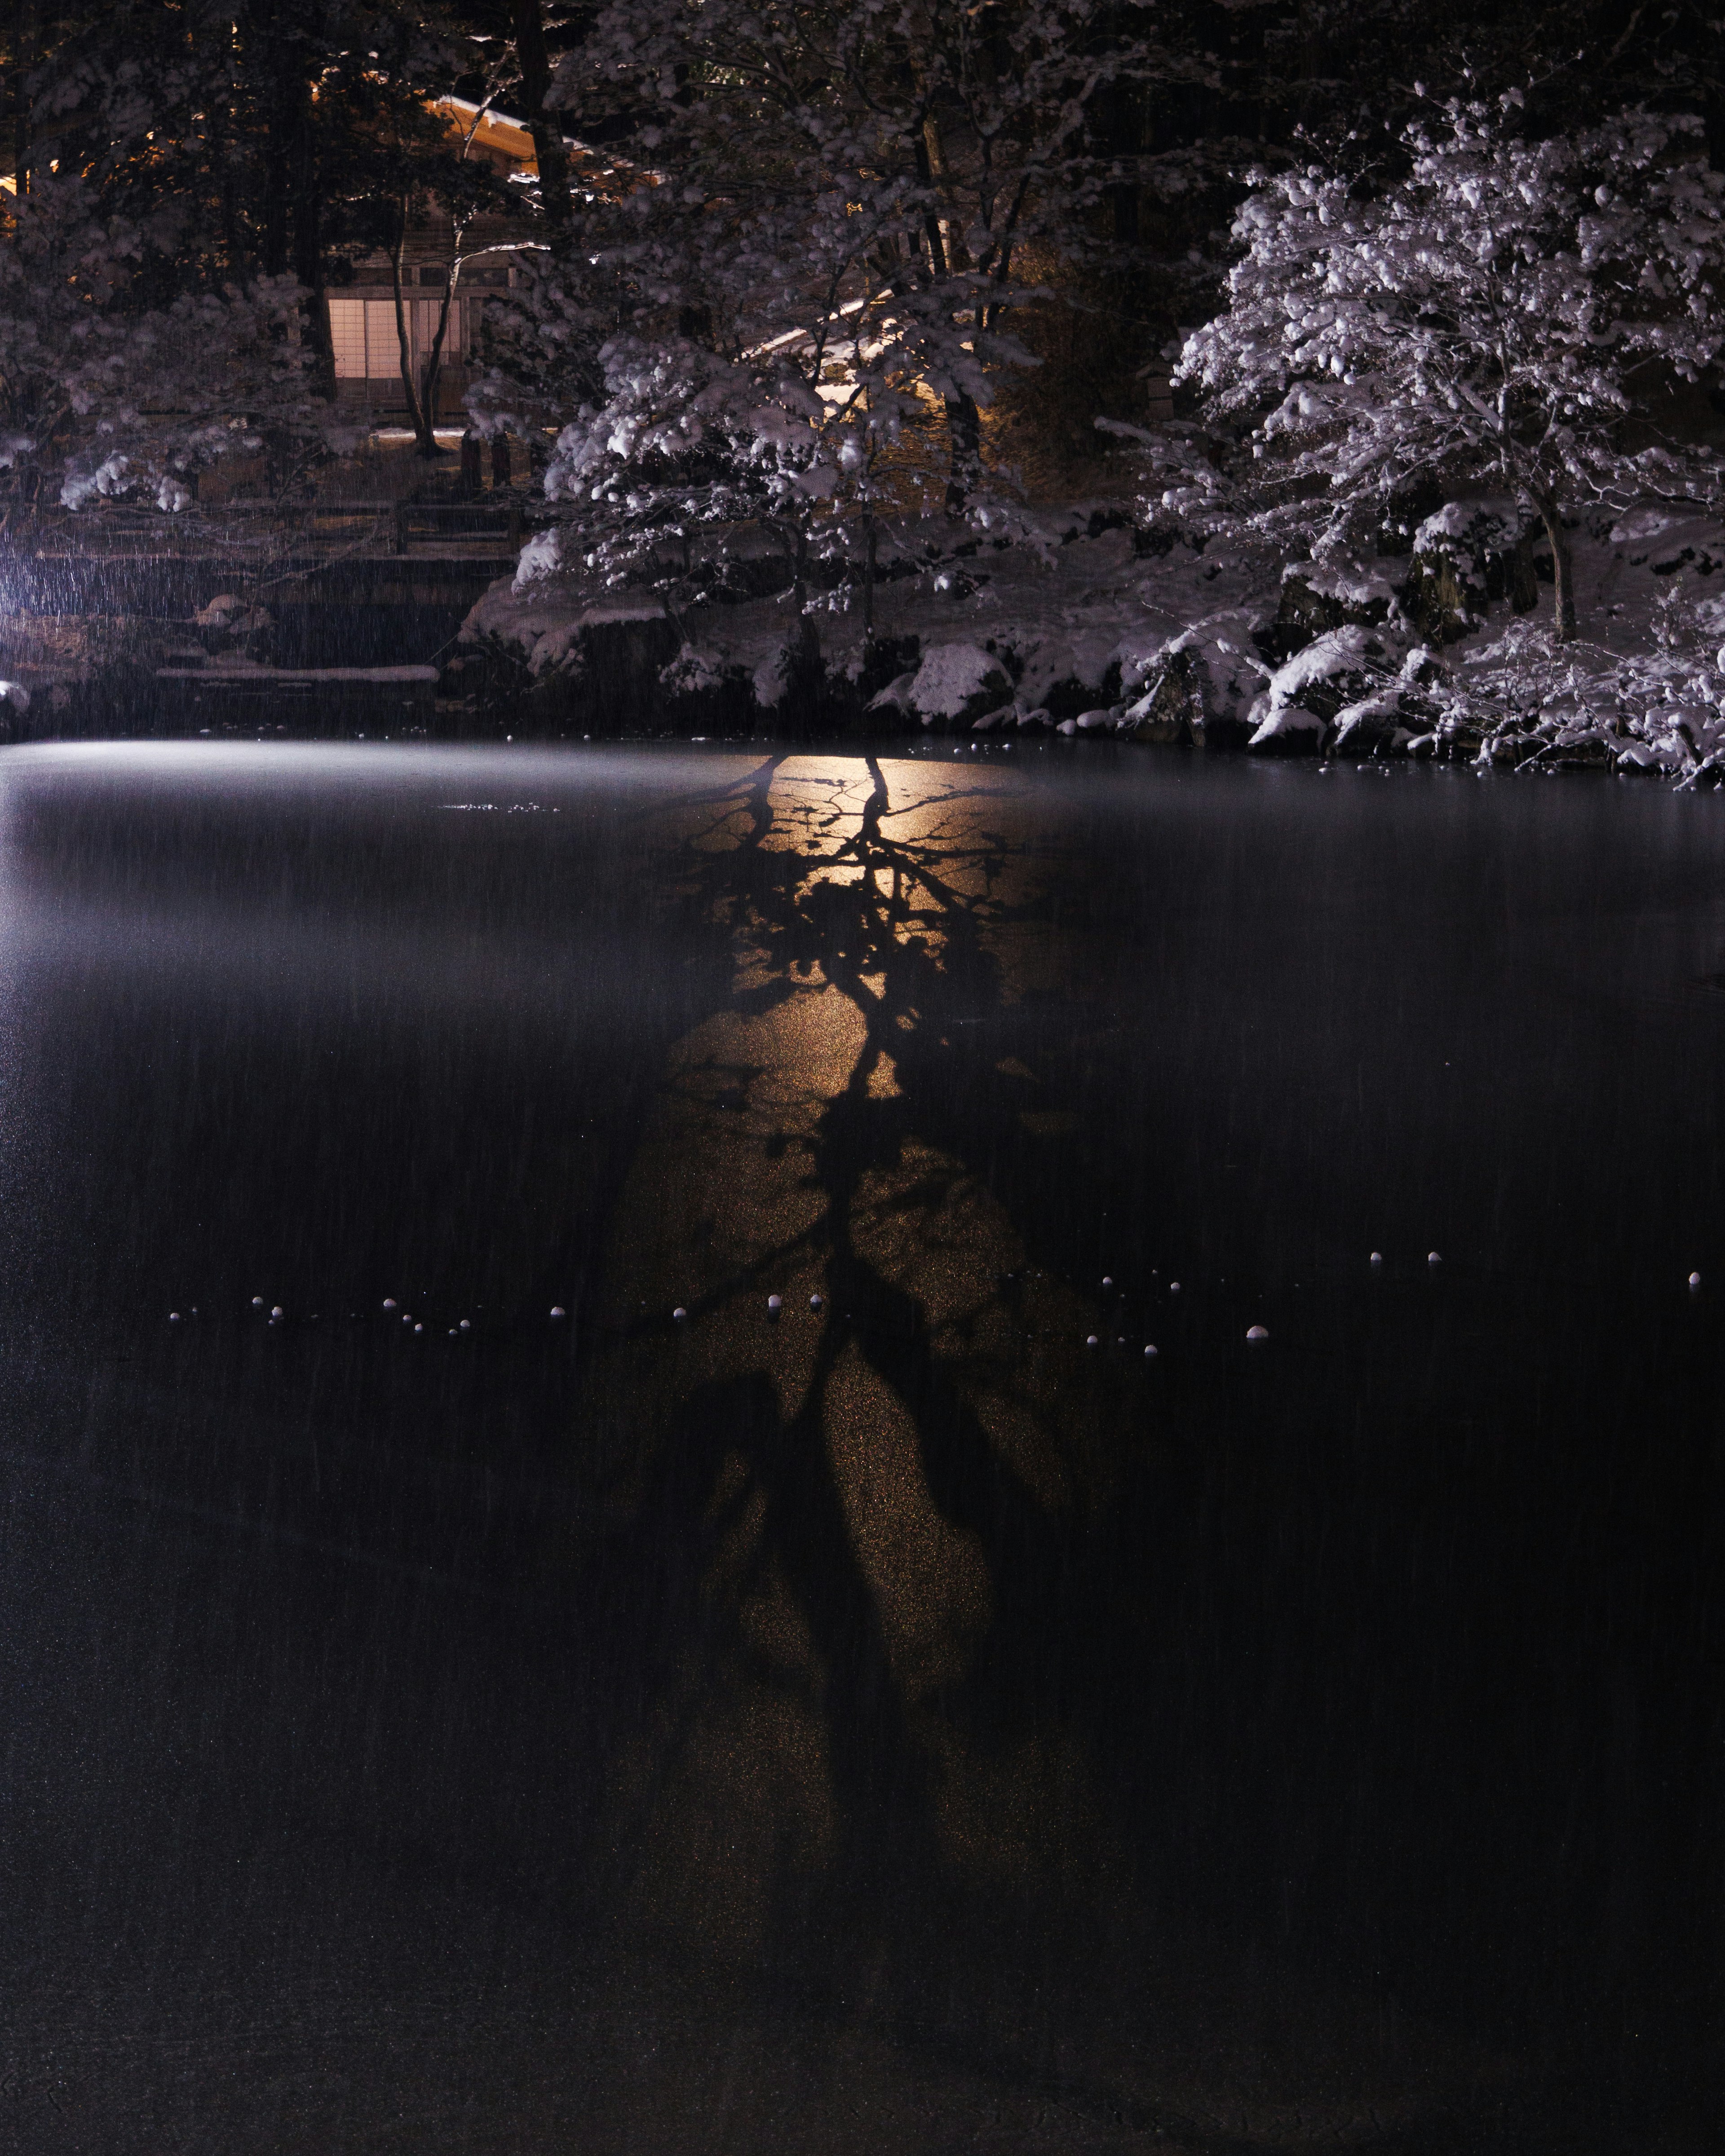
{"type": "Point", "coordinates": [775, 1303]}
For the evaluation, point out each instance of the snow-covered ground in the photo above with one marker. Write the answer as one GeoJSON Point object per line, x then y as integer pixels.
{"type": "Point", "coordinates": [1095, 628]}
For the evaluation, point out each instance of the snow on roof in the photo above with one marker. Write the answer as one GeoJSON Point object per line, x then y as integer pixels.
{"type": "Point", "coordinates": [490, 118]}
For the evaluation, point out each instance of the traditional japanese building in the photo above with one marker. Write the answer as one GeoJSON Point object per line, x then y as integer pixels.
{"type": "Point", "coordinates": [362, 319]}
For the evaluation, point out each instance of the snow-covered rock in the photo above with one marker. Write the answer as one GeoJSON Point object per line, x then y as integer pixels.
{"type": "Point", "coordinates": [1314, 599]}
{"type": "Point", "coordinates": [1468, 556]}
{"type": "Point", "coordinates": [1180, 645]}
{"type": "Point", "coordinates": [1304, 695]}
{"type": "Point", "coordinates": [896, 696]}
{"type": "Point", "coordinates": [1174, 707]}
{"type": "Point", "coordinates": [559, 644]}
{"type": "Point", "coordinates": [958, 682]}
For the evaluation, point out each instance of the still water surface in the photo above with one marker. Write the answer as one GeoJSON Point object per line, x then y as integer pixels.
{"type": "Point", "coordinates": [893, 1722]}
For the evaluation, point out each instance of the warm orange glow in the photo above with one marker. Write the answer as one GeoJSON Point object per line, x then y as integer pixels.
{"type": "Point", "coordinates": [870, 883]}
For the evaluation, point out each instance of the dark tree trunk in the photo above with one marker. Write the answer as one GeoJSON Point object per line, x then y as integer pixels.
{"type": "Point", "coordinates": [1563, 623]}
{"type": "Point", "coordinates": [17, 96]}
{"type": "Point", "coordinates": [285, 125]}
{"type": "Point", "coordinates": [931, 222]}
{"type": "Point", "coordinates": [420, 414]}
{"type": "Point", "coordinates": [964, 424]}
{"type": "Point", "coordinates": [433, 376]}
{"type": "Point", "coordinates": [307, 171]}
{"type": "Point", "coordinates": [273, 250]}
{"type": "Point", "coordinates": [1118, 126]}
{"type": "Point", "coordinates": [545, 127]}
{"type": "Point", "coordinates": [233, 248]}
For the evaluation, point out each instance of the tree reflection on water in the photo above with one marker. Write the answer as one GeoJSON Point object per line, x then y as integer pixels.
{"type": "Point", "coordinates": [897, 1642]}
{"type": "Point", "coordinates": [884, 1495]}
{"type": "Point", "coordinates": [1269, 1737]}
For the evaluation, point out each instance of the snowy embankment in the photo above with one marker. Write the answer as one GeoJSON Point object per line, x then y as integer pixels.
{"type": "Point", "coordinates": [1075, 628]}
{"type": "Point", "coordinates": [1098, 628]}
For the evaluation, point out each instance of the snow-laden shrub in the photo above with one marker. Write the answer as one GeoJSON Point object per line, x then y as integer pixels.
{"type": "Point", "coordinates": [957, 682]}
{"type": "Point", "coordinates": [1657, 706]}
{"type": "Point", "coordinates": [1303, 698]}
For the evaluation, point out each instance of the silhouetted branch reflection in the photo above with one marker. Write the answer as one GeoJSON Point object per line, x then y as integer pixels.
{"type": "Point", "coordinates": [883, 1496]}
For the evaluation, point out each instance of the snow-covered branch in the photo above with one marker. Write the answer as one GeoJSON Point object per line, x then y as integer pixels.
{"type": "Point", "coordinates": [1484, 321]}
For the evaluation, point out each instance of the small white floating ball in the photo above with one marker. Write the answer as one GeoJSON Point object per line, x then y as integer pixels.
{"type": "Point", "coordinates": [1148, 1352]}
{"type": "Point", "coordinates": [1377, 1257]}
{"type": "Point", "coordinates": [558, 1311]}
{"type": "Point", "coordinates": [390, 1302]}
{"type": "Point", "coordinates": [173, 1317]}
{"type": "Point", "coordinates": [1257, 1332]}
{"type": "Point", "coordinates": [1107, 1280]}
{"type": "Point", "coordinates": [679, 1313]}
{"type": "Point", "coordinates": [775, 1302]}
{"type": "Point", "coordinates": [814, 1302]}
{"type": "Point", "coordinates": [278, 1311]}
{"type": "Point", "coordinates": [1173, 1287]}
{"type": "Point", "coordinates": [419, 1328]}
{"type": "Point", "coordinates": [1434, 1258]}
{"type": "Point", "coordinates": [1695, 1280]}
{"type": "Point", "coordinates": [465, 1327]}
{"type": "Point", "coordinates": [1092, 1342]}
{"type": "Point", "coordinates": [257, 1302]}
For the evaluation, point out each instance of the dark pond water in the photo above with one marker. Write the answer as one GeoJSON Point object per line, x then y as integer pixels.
{"type": "Point", "coordinates": [895, 1723]}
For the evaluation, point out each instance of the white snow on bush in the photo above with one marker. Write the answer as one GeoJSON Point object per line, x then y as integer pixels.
{"type": "Point", "coordinates": [1347, 583]}
{"type": "Point", "coordinates": [949, 676]}
{"type": "Point", "coordinates": [541, 556]}
{"type": "Point", "coordinates": [1383, 707]}
{"type": "Point", "coordinates": [770, 680]}
{"type": "Point", "coordinates": [1646, 522]}
{"type": "Point", "coordinates": [1178, 632]}
{"type": "Point", "coordinates": [896, 696]}
{"type": "Point", "coordinates": [1469, 519]}
{"type": "Point", "coordinates": [1337, 651]}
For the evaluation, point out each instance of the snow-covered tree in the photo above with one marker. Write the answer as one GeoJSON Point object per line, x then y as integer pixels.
{"type": "Point", "coordinates": [239, 139]}
{"type": "Point", "coordinates": [186, 181]}
{"type": "Point", "coordinates": [827, 218]}
{"type": "Point", "coordinates": [102, 395]}
{"type": "Point", "coordinates": [1486, 318]}
{"type": "Point", "coordinates": [777, 373]}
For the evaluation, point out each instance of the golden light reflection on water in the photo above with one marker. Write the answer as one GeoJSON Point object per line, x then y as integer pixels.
{"type": "Point", "coordinates": [858, 1460]}
{"type": "Point", "coordinates": [857, 1770]}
